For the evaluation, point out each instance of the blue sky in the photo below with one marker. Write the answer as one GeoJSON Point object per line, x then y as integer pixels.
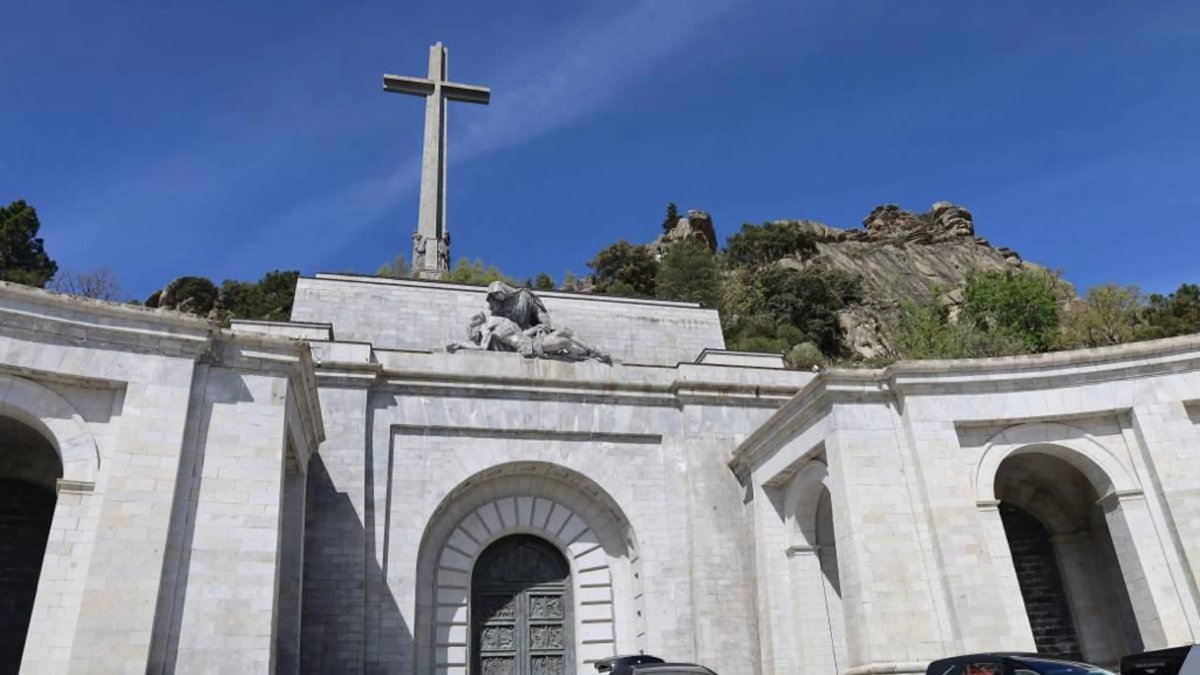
{"type": "Point", "coordinates": [229, 138]}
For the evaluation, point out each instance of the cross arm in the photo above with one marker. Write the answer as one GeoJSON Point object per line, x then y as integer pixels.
{"type": "Point", "coordinates": [416, 86]}
{"type": "Point", "coordinates": [466, 92]}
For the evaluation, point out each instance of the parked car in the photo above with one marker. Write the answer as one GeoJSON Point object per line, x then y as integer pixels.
{"type": "Point", "coordinates": [1014, 663]}
{"type": "Point", "coordinates": [671, 669]}
{"type": "Point", "coordinates": [623, 665]}
{"type": "Point", "coordinates": [1173, 661]}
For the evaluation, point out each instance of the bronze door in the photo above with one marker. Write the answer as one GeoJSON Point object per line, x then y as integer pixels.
{"type": "Point", "coordinates": [520, 609]}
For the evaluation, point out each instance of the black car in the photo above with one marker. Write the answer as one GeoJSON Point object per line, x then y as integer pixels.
{"type": "Point", "coordinates": [1014, 663]}
{"type": "Point", "coordinates": [671, 669]}
{"type": "Point", "coordinates": [623, 665]}
{"type": "Point", "coordinates": [1173, 661]}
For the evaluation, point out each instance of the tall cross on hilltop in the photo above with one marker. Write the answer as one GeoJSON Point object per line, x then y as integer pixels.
{"type": "Point", "coordinates": [431, 241]}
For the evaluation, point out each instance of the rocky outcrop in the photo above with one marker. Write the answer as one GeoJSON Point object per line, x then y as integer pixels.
{"type": "Point", "coordinates": [696, 224]}
{"type": "Point", "coordinates": [192, 295]}
{"type": "Point", "coordinates": [901, 255]}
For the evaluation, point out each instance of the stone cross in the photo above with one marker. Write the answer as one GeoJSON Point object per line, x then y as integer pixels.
{"type": "Point", "coordinates": [431, 241]}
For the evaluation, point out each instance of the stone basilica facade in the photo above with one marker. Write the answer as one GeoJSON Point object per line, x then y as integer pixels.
{"type": "Point", "coordinates": [340, 493]}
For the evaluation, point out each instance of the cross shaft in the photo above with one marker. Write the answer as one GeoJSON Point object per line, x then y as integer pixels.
{"type": "Point", "coordinates": [431, 241]}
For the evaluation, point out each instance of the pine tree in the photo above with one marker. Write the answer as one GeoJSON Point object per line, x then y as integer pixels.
{"type": "Point", "coordinates": [23, 258]}
{"type": "Point", "coordinates": [672, 218]}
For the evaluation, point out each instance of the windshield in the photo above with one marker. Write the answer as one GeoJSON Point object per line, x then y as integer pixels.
{"type": "Point", "coordinates": [1041, 667]}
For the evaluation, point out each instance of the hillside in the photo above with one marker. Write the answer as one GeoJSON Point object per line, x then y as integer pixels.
{"type": "Point", "coordinates": [900, 255]}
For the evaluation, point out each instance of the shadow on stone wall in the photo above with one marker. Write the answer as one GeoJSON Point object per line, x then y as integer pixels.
{"type": "Point", "coordinates": [210, 386]}
{"type": "Point", "coordinates": [343, 627]}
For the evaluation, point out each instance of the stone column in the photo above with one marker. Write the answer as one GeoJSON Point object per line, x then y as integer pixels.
{"type": "Point", "coordinates": [228, 615]}
{"type": "Point", "coordinates": [815, 625]}
{"type": "Point", "coordinates": [291, 568]}
{"type": "Point", "coordinates": [334, 619]}
{"type": "Point", "coordinates": [1081, 565]}
{"type": "Point", "coordinates": [119, 601]}
{"type": "Point", "coordinates": [48, 645]}
{"type": "Point", "coordinates": [1156, 601]}
{"type": "Point", "coordinates": [1009, 617]}
{"type": "Point", "coordinates": [892, 616]}
{"type": "Point", "coordinates": [1164, 440]}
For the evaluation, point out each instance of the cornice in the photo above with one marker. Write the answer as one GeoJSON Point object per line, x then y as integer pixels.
{"type": "Point", "coordinates": [84, 321]}
{"type": "Point", "coordinates": [807, 406]}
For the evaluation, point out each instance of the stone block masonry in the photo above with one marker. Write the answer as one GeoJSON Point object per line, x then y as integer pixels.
{"type": "Point", "coordinates": [417, 315]}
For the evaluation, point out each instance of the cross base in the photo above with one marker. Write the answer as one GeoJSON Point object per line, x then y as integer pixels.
{"type": "Point", "coordinates": [430, 274]}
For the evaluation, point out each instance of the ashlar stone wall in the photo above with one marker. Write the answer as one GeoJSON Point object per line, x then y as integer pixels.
{"type": "Point", "coordinates": [170, 433]}
{"type": "Point", "coordinates": [917, 458]}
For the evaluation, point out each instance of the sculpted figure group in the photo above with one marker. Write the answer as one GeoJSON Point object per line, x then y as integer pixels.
{"type": "Point", "coordinates": [517, 321]}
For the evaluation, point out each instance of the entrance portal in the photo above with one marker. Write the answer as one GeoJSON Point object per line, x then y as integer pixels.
{"type": "Point", "coordinates": [1076, 596]}
{"type": "Point", "coordinates": [521, 609]}
{"type": "Point", "coordinates": [29, 467]}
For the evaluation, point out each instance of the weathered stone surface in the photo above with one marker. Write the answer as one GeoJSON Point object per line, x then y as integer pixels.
{"type": "Point", "coordinates": [696, 224]}
{"type": "Point", "coordinates": [901, 255]}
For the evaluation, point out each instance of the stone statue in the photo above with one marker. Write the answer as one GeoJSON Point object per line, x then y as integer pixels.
{"type": "Point", "coordinates": [518, 304]}
{"type": "Point", "coordinates": [518, 322]}
{"type": "Point", "coordinates": [443, 252]}
{"type": "Point", "coordinates": [418, 251]}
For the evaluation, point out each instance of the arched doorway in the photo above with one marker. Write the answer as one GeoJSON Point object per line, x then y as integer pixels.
{"type": "Point", "coordinates": [521, 609]}
{"type": "Point", "coordinates": [554, 504]}
{"type": "Point", "coordinates": [818, 611]}
{"type": "Point", "coordinates": [831, 580]}
{"type": "Point", "coordinates": [29, 469]}
{"type": "Point", "coordinates": [1071, 581]}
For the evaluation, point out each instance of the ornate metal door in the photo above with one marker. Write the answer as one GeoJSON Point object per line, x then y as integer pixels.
{"type": "Point", "coordinates": [520, 609]}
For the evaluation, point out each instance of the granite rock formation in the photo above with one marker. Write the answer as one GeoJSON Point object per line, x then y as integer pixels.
{"type": "Point", "coordinates": [696, 224]}
{"type": "Point", "coordinates": [901, 255]}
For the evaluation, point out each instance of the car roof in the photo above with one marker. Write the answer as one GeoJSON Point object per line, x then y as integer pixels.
{"type": "Point", "coordinates": [968, 658]}
{"type": "Point", "coordinates": [671, 668]}
{"type": "Point", "coordinates": [611, 663]}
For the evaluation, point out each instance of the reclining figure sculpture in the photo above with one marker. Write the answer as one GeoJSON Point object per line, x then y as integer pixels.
{"type": "Point", "coordinates": [518, 322]}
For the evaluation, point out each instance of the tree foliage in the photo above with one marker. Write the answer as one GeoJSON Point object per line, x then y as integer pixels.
{"type": "Point", "coordinates": [671, 219]}
{"type": "Point", "coordinates": [570, 281]}
{"type": "Point", "coordinates": [926, 332]}
{"type": "Point", "coordinates": [759, 245]}
{"type": "Point", "coordinates": [1174, 314]}
{"type": "Point", "coordinates": [810, 300]}
{"type": "Point", "coordinates": [476, 273]}
{"type": "Point", "coordinates": [777, 308]}
{"type": "Point", "coordinates": [1023, 304]}
{"type": "Point", "coordinates": [23, 257]}
{"type": "Point", "coordinates": [1106, 315]}
{"type": "Point", "coordinates": [398, 268]}
{"type": "Point", "coordinates": [689, 272]}
{"type": "Point", "coordinates": [625, 269]}
{"type": "Point", "coordinates": [270, 299]}
{"type": "Point", "coordinates": [543, 282]}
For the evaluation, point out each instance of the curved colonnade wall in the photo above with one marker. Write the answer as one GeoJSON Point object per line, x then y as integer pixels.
{"type": "Point", "coordinates": [272, 499]}
{"type": "Point", "coordinates": [922, 462]}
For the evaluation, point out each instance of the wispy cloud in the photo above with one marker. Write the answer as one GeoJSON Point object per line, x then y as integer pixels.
{"type": "Point", "coordinates": [586, 68]}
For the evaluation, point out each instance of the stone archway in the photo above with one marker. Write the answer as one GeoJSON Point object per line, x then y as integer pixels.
{"type": "Point", "coordinates": [1067, 568]}
{"type": "Point", "coordinates": [62, 478]}
{"type": "Point", "coordinates": [29, 470]}
{"type": "Point", "coordinates": [557, 505]}
{"type": "Point", "coordinates": [1099, 533]}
